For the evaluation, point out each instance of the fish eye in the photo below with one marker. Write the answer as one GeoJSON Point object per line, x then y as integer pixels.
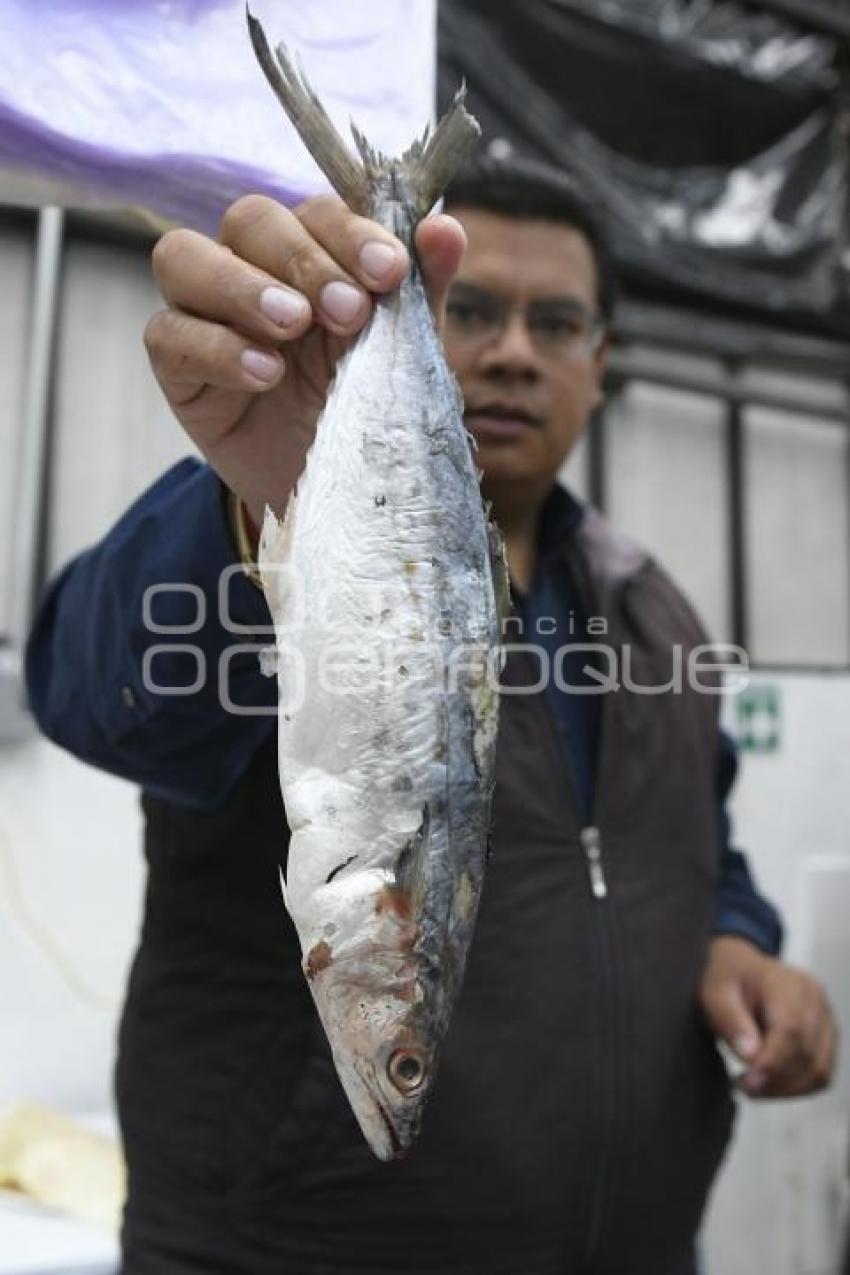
{"type": "Point", "coordinates": [406, 1070]}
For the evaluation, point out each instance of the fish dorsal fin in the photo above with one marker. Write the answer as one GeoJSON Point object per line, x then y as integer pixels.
{"type": "Point", "coordinates": [311, 120]}
{"type": "Point", "coordinates": [434, 158]}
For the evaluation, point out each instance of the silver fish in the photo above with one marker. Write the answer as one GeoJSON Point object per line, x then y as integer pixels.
{"type": "Point", "coordinates": [385, 569]}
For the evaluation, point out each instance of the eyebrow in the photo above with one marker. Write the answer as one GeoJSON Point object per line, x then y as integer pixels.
{"type": "Point", "coordinates": [474, 291]}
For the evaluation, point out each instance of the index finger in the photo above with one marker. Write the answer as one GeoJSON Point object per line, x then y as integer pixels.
{"type": "Point", "coordinates": [782, 1060]}
{"type": "Point", "coordinates": [368, 252]}
{"type": "Point", "coordinates": [375, 257]}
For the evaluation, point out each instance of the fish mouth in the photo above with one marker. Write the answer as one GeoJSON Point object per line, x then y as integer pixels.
{"type": "Point", "coordinates": [399, 1149]}
{"type": "Point", "coordinates": [501, 417]}
{"type": "Point", "coordinates": [397, 1143]}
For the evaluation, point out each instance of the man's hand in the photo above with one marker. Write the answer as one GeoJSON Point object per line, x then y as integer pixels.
{"type": "Point", "coordinates": [255, 323]}
{"type": "Point", "coordinates": [776, 1018]}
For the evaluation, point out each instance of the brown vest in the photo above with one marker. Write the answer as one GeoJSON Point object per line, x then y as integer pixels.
{"type": "Point", "coordinates": [581, 1108]}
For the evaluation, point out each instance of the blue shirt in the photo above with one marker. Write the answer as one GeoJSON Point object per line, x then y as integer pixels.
{"type": "Point", "coordinates": [111, 656]}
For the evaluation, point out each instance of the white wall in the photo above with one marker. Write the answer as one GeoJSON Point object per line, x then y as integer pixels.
{"type": "Point", "coordinates": [665, 454]}
{"type": "Point", "coordinates": [114, 432]}
{"type": "Point", "coordinates": [798, 531]}
{"type": "Point", "coordinates": [16, 265]}
{"type": "Point", "coordinates": [780, 1203]}
{"type": "Point", "coordinates": [70, 854]}
{"type": "Point", "coordinates": [70, 900]}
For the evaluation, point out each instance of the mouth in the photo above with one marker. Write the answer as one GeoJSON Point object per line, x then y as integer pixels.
{"type": "Point", "coordinates": [500, 419]}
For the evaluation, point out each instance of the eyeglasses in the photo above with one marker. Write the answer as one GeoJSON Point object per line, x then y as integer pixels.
{"type": "Point", "coordinates": [557, 327]}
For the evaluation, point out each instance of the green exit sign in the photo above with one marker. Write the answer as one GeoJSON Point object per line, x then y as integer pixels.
{"type": "Point", "coordinates": [759, 713]}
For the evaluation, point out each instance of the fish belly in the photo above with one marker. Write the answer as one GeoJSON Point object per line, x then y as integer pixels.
{"type": "Point", "coordinates": [387, 699]}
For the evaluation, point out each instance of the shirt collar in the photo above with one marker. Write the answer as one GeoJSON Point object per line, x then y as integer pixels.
{"type": "Point", "coordinates": [560, 515]}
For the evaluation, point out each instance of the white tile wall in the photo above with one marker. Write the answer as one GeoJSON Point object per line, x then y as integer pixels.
{"type": "Point", "coordinates": [664, 452]}
{"type": "Point", "coordinates": [114, 433]}
{"type": "Point", "coordinates": [798, 538]}
{"type": "Point", "coordinates": [781, 1204]}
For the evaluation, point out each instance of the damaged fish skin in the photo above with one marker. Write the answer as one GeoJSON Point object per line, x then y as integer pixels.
{"type": "Point", "coordinates": [387, 787]}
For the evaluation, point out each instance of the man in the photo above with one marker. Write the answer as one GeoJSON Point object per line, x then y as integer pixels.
{"type": "Point", "coordinates": [581, 1108]}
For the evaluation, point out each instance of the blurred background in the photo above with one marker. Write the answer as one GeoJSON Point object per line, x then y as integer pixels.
{"type": "Point", "coordinates": [714, 137]}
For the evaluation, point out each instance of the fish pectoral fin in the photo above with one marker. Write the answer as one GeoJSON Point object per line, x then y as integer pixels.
{"type": "Point", "coordinates": [273, 557]}
{"type": "Point", "coordinates": [499, 571]}
{"type": "Point", "coordinates": [311, 120]}
{"type": "Point", "coordinates": [411, 868]}
{"type": "Point", "coordinates": [432, 160]}
{"type": "Point", "coordinates": [283, 889]}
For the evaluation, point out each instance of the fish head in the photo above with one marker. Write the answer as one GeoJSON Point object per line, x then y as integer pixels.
{"type": "Point", "coordinates": [383, 1031]}
{"type": "Point", "coordinates": [389, 1094]}
{"type": "Point", "coordinates": [383, 992]}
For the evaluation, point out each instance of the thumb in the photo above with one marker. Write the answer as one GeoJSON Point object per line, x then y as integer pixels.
{"type": "Point", "coordinates": [440, 243]}
{"type": "Point", "coordinates": [731, 1019]}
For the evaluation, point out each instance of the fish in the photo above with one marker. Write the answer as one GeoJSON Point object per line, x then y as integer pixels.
{"type": "Point", "coordinates": [386, 569]}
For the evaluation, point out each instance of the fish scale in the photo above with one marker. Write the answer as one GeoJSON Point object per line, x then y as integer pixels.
{"type": "Point", "coordinates": [386, 767]}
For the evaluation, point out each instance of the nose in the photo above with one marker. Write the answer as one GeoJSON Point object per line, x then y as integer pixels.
{"type": "Point", "coordinates": [512, 354]}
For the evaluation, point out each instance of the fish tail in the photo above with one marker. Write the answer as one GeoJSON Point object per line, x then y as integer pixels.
{"type": "Point", "coordinates": [427, 166]}
{"type": "Point", "coordinates": [298, 99]}
{"type": "Point", "coordinates": [432, 161]}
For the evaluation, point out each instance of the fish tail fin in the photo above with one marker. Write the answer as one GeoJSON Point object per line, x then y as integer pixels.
{"type": "Point", "coordinates": [432, 161]}
{"type": "Point", "coordinates": [311, 120]}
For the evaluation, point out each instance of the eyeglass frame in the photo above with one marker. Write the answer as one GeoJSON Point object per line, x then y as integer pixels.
{"type": "Point", "coordinates": [504, 310]}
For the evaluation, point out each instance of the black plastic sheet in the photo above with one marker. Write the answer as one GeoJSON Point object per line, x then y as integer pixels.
{"type": "Point", "coordinates": [757, 45]}
{"type": "Point", "coordinates": [707, 131]}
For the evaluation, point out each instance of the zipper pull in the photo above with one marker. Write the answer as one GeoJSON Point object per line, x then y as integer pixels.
{"type": "Point", "coordinates": [593, 854]}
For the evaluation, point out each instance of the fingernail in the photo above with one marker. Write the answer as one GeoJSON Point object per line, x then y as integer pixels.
{"type": "Point", "coordinates": [378, 259]}
{"type": "Point", "coordinates": [265, 367]}
{"type": "Point", "coordinates": [754, 1081]}
{"type": "Point", "coordinates": [341, 302]}
{"type": "Point", "coordinates": [282, 307]}
{"type": "Point", "coordinates": [745, 1044]}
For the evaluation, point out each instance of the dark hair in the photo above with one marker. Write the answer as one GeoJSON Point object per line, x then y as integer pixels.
{"type": "Point", "coordinates": [516, 186]}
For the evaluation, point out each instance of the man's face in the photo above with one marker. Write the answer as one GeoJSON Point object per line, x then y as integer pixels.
{"type": "Point", "coordinates": [523, 340]}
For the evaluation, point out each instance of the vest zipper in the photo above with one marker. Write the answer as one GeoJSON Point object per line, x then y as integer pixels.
{"type": "Point", "coordinates": [607, 996]}
{"type": "Point", "coordinates": [603, 908]}
{"type": "Point", "coordinates": [607, 1000]}
{"type": "Point", "coordinates": [607, 1062]}
{"type": "Point", "coordinates": [592, 847]}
